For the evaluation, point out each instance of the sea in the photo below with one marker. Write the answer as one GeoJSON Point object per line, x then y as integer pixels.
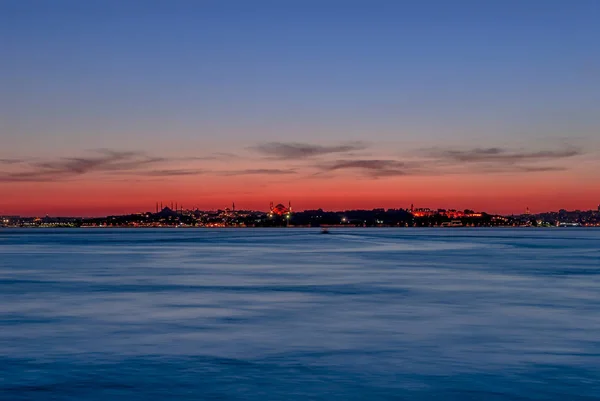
{"type": "Point", "coordinates": [292, 314]}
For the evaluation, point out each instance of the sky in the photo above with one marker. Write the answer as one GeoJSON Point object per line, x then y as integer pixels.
{"type": "Point", "coordinates": [111, 106]}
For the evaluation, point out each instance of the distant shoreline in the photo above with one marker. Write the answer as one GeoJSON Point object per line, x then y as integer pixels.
{"type": "Point", "coordinates": [288, 228]}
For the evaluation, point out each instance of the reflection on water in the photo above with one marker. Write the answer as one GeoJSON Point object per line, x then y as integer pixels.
{"type": "Point", "coordinates": [365, 314]}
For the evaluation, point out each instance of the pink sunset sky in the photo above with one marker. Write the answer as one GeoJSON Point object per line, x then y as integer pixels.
{"type": "Point", "coordinates": [110, 108]}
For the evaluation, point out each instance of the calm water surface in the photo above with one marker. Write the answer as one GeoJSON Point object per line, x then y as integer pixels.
{"type": "Point", "coordinates": [365, 314]}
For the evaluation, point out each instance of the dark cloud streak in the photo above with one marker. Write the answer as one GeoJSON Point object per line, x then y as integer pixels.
{"type": "Point", "coordinates": [103, 161]}
{"type": "Point", "coordinates": [501, 155]}
{"type": "Point", "coordinates": [372, 167]}
{"type": "Point", "coordinates": [432, 162]}
{"type": "Point", "coordinates": [294, 150]}
{"type": "Point", "coordinates": [12, 161]}
{"type": "Point", "coordinates": [260, 171]}
{"type": "Point", "coordinates": [172, 172]}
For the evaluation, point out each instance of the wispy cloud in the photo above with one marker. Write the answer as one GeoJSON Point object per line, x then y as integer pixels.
{"type": "Point", "coordinates": [372, 167]}
{"type": "Point", "coordinates": [12, 161]}
{"type": "Point", "coordinates": [499, 160]}
{"type": "Point", "coordinates": [103, 160]}
{"type": "Point", "coordinates": [259, 171]}
{"type": "Point", "coordinates": [432, 162]}
{"type": "Point", "coordinates": [123, 163]}
{"type": "Point", "coordinates": [437, 162]}
{"type": "Point", "coordinates": [501, 155]}
{"type": "Point", "coordinates": [490, 169]}
{"type": "Point", "coordinates": [295, 150]}
{"type": "Point", "coordinates": [221, 156]}
{"type": "Point", "coordinates": [172, 172]}
{"type": "Point", "coordinates": [184, 172]}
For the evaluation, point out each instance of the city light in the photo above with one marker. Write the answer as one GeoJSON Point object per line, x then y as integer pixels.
{"type": "Point", "coordinates": [282, 216]}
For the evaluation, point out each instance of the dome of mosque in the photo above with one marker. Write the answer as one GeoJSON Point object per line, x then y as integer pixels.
{"type": "Point", "coordinates": [280, 209]}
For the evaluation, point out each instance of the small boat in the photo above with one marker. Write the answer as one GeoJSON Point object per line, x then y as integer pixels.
{"type": "Point", "coordinates": [324, 231]}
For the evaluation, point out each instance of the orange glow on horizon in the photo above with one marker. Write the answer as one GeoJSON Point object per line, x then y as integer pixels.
{"type": "Point", "coordinates": [503, 195]}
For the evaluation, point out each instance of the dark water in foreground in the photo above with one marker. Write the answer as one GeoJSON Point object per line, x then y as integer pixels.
{"type": "Point", "coordinates": [384, 314]}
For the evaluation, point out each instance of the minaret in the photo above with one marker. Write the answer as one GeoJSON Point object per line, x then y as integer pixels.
{"type": "Point", "coordinates": [156, 207]}
{"type": "Point", "coordinates": [290, 206]}
{"type": "Point", "coordinates": [233, 206]}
